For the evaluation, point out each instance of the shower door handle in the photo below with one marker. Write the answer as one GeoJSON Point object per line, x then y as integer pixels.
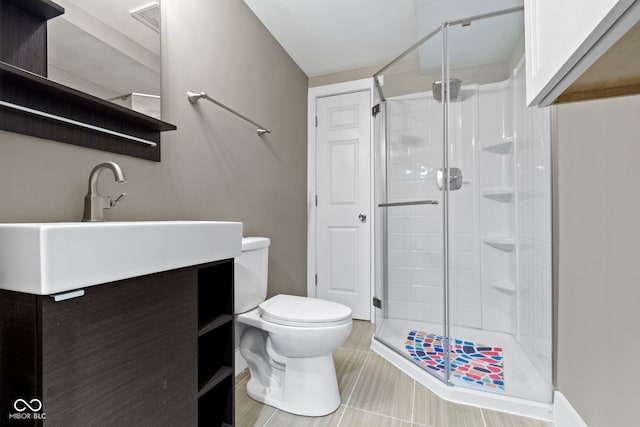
{"type": "Point", "coordinates": [362, 217]}
{"type": "Point", "coordinates": [417, 202]}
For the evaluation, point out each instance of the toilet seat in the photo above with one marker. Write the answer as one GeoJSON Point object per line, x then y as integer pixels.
{"type": "Point", "coordinates": [290, 310]}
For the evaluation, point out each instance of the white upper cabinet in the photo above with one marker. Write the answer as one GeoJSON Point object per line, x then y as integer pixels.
{"type": "Point", "coordinates": [565, 38]}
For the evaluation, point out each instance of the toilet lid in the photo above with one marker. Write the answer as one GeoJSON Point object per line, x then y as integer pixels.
{"type": "Point", "coordinates": [301, 311]}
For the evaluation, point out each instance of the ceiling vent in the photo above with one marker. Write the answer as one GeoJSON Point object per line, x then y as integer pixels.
{"type": "Point", "coordinates": [149, 15]}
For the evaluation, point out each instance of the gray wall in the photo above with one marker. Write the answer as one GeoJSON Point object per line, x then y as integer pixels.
{"type": "Point", "coordinates": [214, 167]}
{"type": "Point", "coordinates": [599, 259]}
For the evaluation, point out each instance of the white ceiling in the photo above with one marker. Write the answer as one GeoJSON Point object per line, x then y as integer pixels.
{"type": "Point", "coordinates": [336, 35]}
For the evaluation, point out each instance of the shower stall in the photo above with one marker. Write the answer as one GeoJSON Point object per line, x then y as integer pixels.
{"type": "Point", "coordinates": [463, 213]}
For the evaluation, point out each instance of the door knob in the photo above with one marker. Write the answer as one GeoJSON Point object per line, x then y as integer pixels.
{"type": "Point", "coordinates": [362, 217]}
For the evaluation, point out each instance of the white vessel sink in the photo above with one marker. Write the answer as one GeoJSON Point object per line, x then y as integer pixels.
{"type": "Point", "coordinates": [50, 258]}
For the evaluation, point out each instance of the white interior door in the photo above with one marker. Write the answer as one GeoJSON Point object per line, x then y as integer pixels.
{"type": "Point", "coordinates": [343, 187]}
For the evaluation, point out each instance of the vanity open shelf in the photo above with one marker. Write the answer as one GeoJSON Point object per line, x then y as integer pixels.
{"type": "Point", "coordinates": [215, 344]}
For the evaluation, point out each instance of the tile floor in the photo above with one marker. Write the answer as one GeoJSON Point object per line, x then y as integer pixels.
{"type": "Point", "coordinates": [374, 394]}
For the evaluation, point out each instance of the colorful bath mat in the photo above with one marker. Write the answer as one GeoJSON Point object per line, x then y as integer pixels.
{"type": "Point", "coordinates": [475, 365]}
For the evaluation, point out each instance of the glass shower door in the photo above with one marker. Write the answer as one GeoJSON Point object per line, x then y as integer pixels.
{"type": "Point", "coordinates": [469, 354]}
{"type": "Point", "coordinates": [491, 303]}
{"type": "Point", "coordinates": [409, 132]}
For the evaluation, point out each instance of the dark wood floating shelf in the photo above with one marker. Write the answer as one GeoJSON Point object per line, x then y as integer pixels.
{"type": "Point", "coordinates": [32, 91]}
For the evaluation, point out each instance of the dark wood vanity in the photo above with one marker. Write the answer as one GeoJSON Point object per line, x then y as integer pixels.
{"type": "Point", "coordinates": [155, 350]}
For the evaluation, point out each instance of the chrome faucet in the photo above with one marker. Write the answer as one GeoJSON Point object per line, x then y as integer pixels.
{"type": "Point", "coordinates": [94, 203]}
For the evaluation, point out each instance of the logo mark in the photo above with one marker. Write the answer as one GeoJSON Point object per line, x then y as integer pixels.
{"type": "Point", "coordinates": [21, 405]}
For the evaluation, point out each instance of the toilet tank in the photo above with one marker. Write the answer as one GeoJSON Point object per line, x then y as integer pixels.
{"type": "Point", "coordinates": [251, 271]}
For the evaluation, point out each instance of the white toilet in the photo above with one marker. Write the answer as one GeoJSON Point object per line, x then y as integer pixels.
{"type": "Point", "coordinates": [287, 341]}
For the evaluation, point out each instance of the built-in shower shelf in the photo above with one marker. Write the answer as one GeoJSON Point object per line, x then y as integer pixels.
{"type": "Point", "coordinates": [505, 286]}
{"type": "Point", "coordinates": [504, 146]}
{"type": "Point", "coordinates": [502, 194]}
{"type": "Point", "coordinates": [504, 243]}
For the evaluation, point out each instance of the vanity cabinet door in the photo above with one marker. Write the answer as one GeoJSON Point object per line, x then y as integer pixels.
{"type": "Point", "coordinates": [123, 354]}
{"type": "Point", "coordinates": [19, 360]}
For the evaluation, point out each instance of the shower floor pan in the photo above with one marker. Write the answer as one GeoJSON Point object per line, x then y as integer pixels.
{"type": "Point", "coordinates": [526, 392]}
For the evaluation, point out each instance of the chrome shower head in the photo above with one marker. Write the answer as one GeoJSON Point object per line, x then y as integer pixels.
{"type": "Point", "coordinates": [454, 88]}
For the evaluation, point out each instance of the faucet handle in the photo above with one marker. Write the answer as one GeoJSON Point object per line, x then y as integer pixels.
{"type": "Point", "coordinates": [112, 203]}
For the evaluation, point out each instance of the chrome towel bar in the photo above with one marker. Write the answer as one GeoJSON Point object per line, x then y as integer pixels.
{"type": "Point", "coordinates": [75, 123]}
{"type": "Point", "coordinates": [193, 97]}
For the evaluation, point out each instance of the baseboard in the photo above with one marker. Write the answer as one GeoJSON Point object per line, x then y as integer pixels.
{"type": "Point", "coordinates": [240, 363]}
{"type": "Point", "coordinates": [564, 415]}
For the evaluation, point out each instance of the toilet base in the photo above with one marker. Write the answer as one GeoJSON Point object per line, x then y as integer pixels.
{"type": "Point", "coordinates": [303, 386]}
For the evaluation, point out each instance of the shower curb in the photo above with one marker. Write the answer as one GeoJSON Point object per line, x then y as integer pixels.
{"type": "Point", "coordinates": [512, 405]}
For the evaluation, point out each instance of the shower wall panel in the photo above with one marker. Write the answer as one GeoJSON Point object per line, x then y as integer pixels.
{"type": "Point", "coordinates": [533, 205]}
{"type": "Point", "coordinates": [464, 251]}
{"type": "Point", "coordinates": [497, 208]}
{"type": "Point", "coordinates": [414, 232]}
{"type": "Point", "coordinates": [415, 288]}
